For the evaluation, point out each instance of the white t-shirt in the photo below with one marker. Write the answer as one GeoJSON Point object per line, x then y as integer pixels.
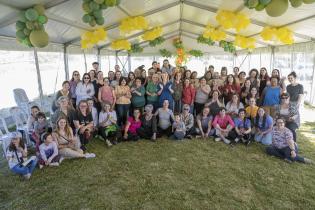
{"type": "Point", "coordinates": [48, 151]}
{"type": "Point", "coordinates": [14, 157]}
{"type": "Point", "coordinates": [103, 116]}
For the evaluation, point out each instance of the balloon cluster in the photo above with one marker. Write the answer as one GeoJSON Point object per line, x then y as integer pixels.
{"type": "Point", "coordinates": [121, 44]}
{"type": "Point", "coordinates": [91, 38]}
{"type": "Point", "coordinates": [133, 24]}
{"type": "Point", "coordinates": [228, 19]}
{"type": "Point", "coordinates": [152, 34]}
{"type": "Point", "coordinates": [165, 53]}
{"type": "Point", "coordinates": [204, 40]}
{"type": "Point", "coordinates": [227, 46]}
{"type": "Point", "coordinates": [214, 34]}
{"type": "Point", "coordinates": [30, 29]}
{"type": "Point", "coordinates": [275, 8]}
{"type": "Point", "coordinates": [284, 35]}
{"type": "Point", "coordinates": [156, 41]}
{"type": "Point", "coordinates": [195, 53]}
{"type": "Point", "coordinates": [244, 42]}
{"type": "Point", "coordinates": [94, 10]}
{"type": "Point", "coordinates": [136, 48]}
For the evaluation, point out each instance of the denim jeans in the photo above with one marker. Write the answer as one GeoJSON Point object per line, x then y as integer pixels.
{"type": "Point", "coordinates": [284, 153]}
{"type": "Point", "coordinates": [23, 170]}
{"type": "Point", "coordinates": [122, 113]}
{"type": "Point", "coordinates": [264, 139]}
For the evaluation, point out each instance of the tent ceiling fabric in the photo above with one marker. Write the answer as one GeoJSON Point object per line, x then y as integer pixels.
{"type": "Point", "coordinates": [65, 24]}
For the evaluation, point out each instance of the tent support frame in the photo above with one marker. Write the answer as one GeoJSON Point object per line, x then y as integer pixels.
{"type": "Point", "coordinates": [39, 78]}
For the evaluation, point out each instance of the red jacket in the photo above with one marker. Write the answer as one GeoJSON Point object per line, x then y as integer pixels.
{"type": "Point", "coordinates": [188, 96]}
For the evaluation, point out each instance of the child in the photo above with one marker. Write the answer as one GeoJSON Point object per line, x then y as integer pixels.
{"type": "Point", "coordinates": [178, 128]}
{"type": "Point", "coordinates": [40, 127]}
{"type": "Point", "coordinates": [93, 110]}
{"type": "Point", "coordinates": [16, 154]}
{"type": "Point", "coordinates": [49, 152]}
{"type": "Point", "coordinates": [251, 110]}
{"type": "Point", "coordinates": [107, 124]}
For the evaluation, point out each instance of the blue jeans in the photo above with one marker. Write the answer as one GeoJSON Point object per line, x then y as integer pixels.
{"type": "Point", "coordinates": [23, 170]}
{"type": "Point", "coordinates": [122, 113]}
{"type": "Point", "coordinates": [284, 153]}
{"type": "Point", "coordinates": [264, 139]}
{"type": "Point", "coordinates": [178, 135]}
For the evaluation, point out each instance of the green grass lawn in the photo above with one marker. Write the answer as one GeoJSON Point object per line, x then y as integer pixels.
{"type": "Point", "coordinates": [191, 174]}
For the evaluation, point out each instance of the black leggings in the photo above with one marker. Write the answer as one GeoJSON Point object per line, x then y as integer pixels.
{"type": "Point", "coordinates": [198, 108]}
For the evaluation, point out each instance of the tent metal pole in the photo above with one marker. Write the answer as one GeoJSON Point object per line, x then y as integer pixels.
{"type": "Point", "coordinates": [129, 62]}
{"type": "Point", "coordinates": [312, 96]}
{"type": "Point", "coordinates": [99, 58]}
{"type": "Point", "coordinates": [272, 58]}
{"type": "Point", "coordinates": [116, 57]}
{"type": "Point", "coordinates": [66, 62]}
{"type": "Point", "coordinates": [39, 79]}
{"type": "Point", "coordinates": [85, 64]}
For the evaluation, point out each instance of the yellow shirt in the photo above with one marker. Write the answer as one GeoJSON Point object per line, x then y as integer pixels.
{"type": "Point", "coordinates": [121, 93]}
{"type": "Point", "coordinates": [251, 111]}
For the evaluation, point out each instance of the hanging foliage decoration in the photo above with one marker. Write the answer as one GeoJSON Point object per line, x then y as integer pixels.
{"type": "Point", "coordinates": [121, 44]}
{"type": "Point", "coordinates": [228, 20]}
{"type": "Point", "coordinates": [165, 53]}
{"type": "Point", "coordinates": [244, 42]}
{"type": "Point", "coordinates": [156, 41]}
{"type": "Point", "coordinates": [30, 30]}
{"type": "Point", "coordinates": [283, 35]}
{"type": "Point", "coordinates": [90, 39]}
{"type": "Point", "coordinates": [136, 48]}
{"type": "Point", "coordinates": [178, 44]}
{"type": "Point", "coordinates": [227, 46]}
{"type": "Point", "coordinates": [133, 24]}
{"type": "Point", "coordinates": [275, 8]}
{"type": "Point", "coordinates": [201, 39]}
{"type": "Point", "coordinates": [94, 10]}
{"type": "Point", "coordinates": [195, 53]}
{"type": "Point", "coordinates": [152, 34]}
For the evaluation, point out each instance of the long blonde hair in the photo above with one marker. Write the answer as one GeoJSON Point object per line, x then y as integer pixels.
{"type": "Point", "coordinates": [68, 129]}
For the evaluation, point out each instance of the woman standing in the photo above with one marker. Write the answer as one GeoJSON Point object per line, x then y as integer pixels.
{"type": "Point", "coordinates": [107, 94]}
{"type": "Point", "coordinates": [65, 91]}
{"type": "Point", "coordinates": [123, 96]}
{"type": "Point", "coordinates": [264, 79]}
{"type": "Point", "coordinates": [271, 97]}
{"type": "Point", "coordinates": [202, 95]}
{"type": "Point", "coordinates": [295, 90]}
{"type": "Point", "coordinates": [148, 127]}
{"type": "Point", "coordinates": [85, 89]}
{"type": "Point", "coordinates": [138, 95]}
{"type": "Point", "coordinates": [188, 94]}
{"type": "Point", "coordinates": [165, 117]}
{"type": "Point", "coordinates": [224, 72]}
{"type": "Point", "coordinates": [253, 76]}
{"type": "Point", "coordinates": [214, 104]}
{"type": "Point", "coordinates": [152, 91]}
{"type": "Point", "coordinates": [289, 112]}
{"type": "Point", "coordinates": [241, 78]}
{"type": "Point", "coordinates": [116, 80]}
{"type": "Point", "coordinates": [276, 73]}
{"type": "Point", "coordinates": [92, 74]}
{"type": "Point", "coordinates": [230, 88]}
{"type": "Point", "coordinates": [131, 79]}
{"type": "Point", "coordinates": [144, 79]}
{"type": "Point", "coordinates": [245, 90]}
{"type": "Point", "coordinates": [84, 123]}
{"type": "Point", "coordinates": [194, 80]}
{"type": "Point", "coordinates": [178, 90]}
{"type": "Point", "coordinates": [73, 85]}
{"type": "Point", "coordinates": [98, 84]}
{"type": "Point", "coordinates": [263, 127]}
{"type": "Point", "coordinates": [165, 91]}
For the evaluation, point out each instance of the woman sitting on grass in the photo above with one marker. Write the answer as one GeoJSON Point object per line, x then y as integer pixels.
{"type": "Point", "coordinates": [263, 127]}
{"type": "Point", "coordinates": [148, 127]}
{"type": "Point", "coordinates": [165, 117]}
{"type": "Point", "coordinates": [188, 120]}
{"type": "Point", "coordinates": [16, 154]}
{"type": "Point", "coordinates": [84, 123]}
{"type": "Point", "coordinates": [223, 124]}
{"type": "Point", "coordinates": [204, 123]}
{"type": "Point", "coordinates": [68, 145]}
{"type": "Point", "coordinates": [133, 123]}
{"type": "Point", "coordinates": [65, 110]}
{"type": "Point", "coordinates": [283, 145]}
{"type": "Point", "coordinates": [49, 155]}
{"type": "Point", "coordinates": [108, 128]}
{"type": "Point", "coordinates": [242, 129]}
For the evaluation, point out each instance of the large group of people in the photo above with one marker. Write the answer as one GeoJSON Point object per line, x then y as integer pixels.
{"type": "Point", "coordinates": [164, 101]}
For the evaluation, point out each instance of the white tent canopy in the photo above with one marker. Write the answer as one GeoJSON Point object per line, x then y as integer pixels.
{"type": "Point", "coordinates": [185, 18]}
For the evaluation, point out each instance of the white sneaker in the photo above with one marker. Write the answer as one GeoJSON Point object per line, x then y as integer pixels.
{"type": "Point", "coordinates": [41, 166]}
{"type": "Point", "coordinates": [217, 139]}
{"type": "Point", "coordinates": [90, 155]}
{"type": "Point", "coordinates": [27, 176]}
{"type": "Point", "coordinates": [61, 159]}
{"type": "Point", "coordinates": [237, 139]}
{"type": "Point", "coordinates": [54, 164]}
{"type": "Point", "coordinates": [226, 141]}
{"type": "Point", "coordinates": [109, 144]}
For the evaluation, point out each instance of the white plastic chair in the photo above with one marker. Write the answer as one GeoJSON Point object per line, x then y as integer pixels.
{"type": "Point", "coordinates": [5, 138]}
{"type": "Point", "coordinates": [22, 100]}
{"type": "Point", "coordinates": [20, 120]}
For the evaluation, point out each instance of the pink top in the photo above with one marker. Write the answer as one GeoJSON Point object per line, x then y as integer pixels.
{"type": "Point", "coordinates": [107, 94]}
{"type": "Point", "coordinates": [223, 122]}
{"type": "Point", "coordinates": [134, 125]}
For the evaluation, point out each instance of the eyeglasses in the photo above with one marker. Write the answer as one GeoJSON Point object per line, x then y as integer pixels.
{"type": "Point", "coordinates": [76, 74]}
